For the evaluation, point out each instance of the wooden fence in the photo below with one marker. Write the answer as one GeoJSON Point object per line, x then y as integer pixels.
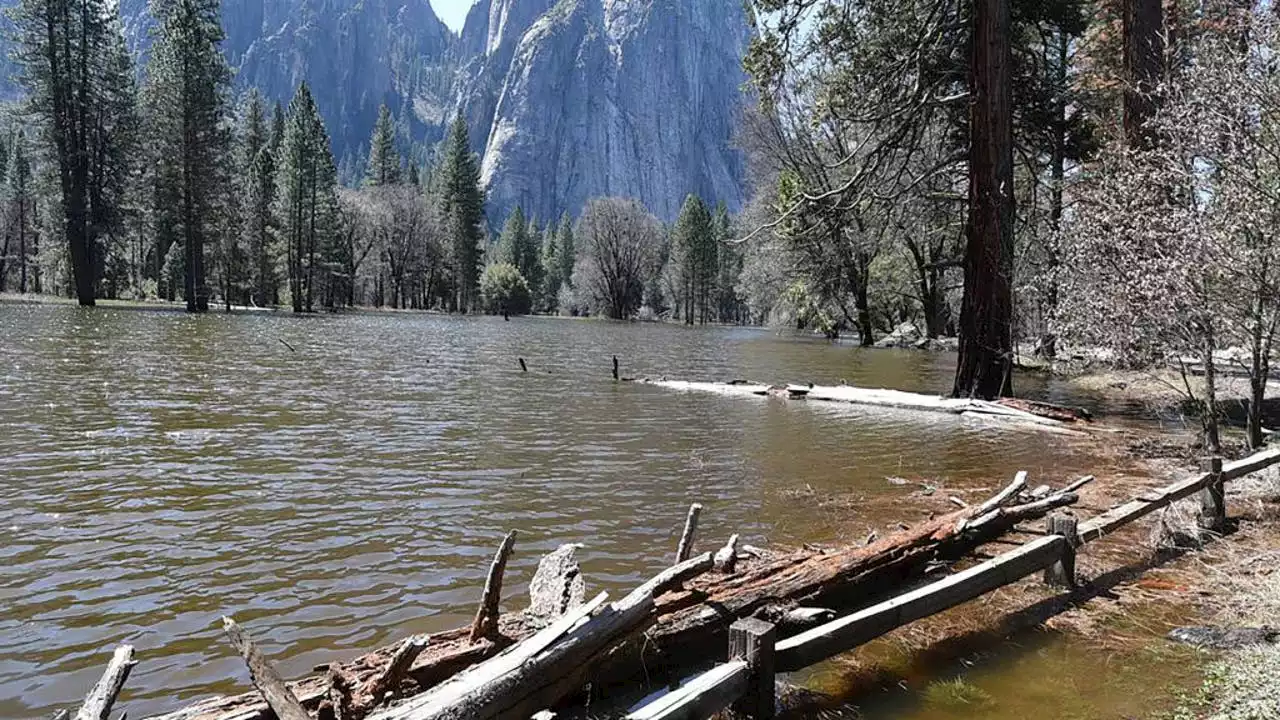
{"type": "Point", "coordinates": [746, 681]}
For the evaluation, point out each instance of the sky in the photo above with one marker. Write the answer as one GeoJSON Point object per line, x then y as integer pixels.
{"type": "Point", "coordinates": [452, 12]}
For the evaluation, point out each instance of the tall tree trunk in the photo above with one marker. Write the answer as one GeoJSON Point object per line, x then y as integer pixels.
{"type": "Point", "coordinates": [984, 365]}
{"type": "Point", "coordinates": [1048, 345]}
{"type": "Point", "coordinates": [22, 243]}
{"type": "Point", "coordinates": [1144, 65]}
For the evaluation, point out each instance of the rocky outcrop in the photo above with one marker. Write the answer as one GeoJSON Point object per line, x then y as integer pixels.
{"type": "Point", "coordinates": [637, 98]}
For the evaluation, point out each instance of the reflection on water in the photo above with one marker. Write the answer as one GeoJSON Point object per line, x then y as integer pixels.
{"type": "Point", "coordinates": [159, 470]}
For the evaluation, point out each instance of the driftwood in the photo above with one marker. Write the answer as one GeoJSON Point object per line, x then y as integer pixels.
{"type": "Point", "coordinates": [279, 697]}
{"type": "Point", "coordinates": [691, 624]}
{"type": "Point", "coordinates": [486, 622]}
{"type": "Point", "coordinates": [686, 538]}
{"type": "Point", "coordinates": [97, 704]}
{"type": "Point", "coordinates": [527, 679]}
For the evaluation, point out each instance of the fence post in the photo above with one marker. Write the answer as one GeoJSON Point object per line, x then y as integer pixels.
{"type": "Point", "coordinates": [1213, 498]}
{"type": "Point", "coordinates": [752, 639]}
{"type": "Point", "coordinates": [1063, 572]}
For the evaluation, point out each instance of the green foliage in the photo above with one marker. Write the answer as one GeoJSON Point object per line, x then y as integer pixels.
{"type": "Point", "coordinates": [307, 205]}
{"type": "Point", "coordinates": [187, 80]}
{"type": "Point", "coordinates": [384, 160]}
{"type": "Point", "coordinates": [504, 290]}
{"type": "Point", "coordinates": [519, 246]}
{"type": "Point", "coordinates": [567, 252]}
{"type": "Point", "coordinates": [696, 260]}
{"type": "Point", "coordinates": [257, 187]}
{"type": "Point", "coordinates": [462, 204]}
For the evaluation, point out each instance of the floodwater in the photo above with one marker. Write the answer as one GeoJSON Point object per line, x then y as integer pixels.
{"type": "Point", "coordinates": [336, 483]}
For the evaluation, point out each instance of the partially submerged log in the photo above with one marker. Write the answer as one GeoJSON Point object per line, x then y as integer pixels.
{"type": "Point", "coordinates": [1028, 412]}
{"type": "Point", "coordinates": [681, 627]}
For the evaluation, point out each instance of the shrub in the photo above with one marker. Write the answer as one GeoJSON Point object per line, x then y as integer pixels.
{"type": "Point", "coordinates": [504, 289]}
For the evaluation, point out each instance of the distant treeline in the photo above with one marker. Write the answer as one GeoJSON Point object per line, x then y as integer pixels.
{"type": "Point", "coordinates": [168, 189]}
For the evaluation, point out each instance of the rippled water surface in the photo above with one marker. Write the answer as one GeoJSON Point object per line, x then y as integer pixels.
{"type": "Point", "coordinates": [159, 470]}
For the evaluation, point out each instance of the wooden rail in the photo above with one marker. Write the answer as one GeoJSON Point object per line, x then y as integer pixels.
{"type": "Point", "coordinates": [719, 687]}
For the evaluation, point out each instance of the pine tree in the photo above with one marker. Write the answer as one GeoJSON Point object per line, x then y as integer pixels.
{"type": "Point", "coordinates": [462, 203]}
{"type": "Point", "coordinates": [277, 128]}
{"type": "Point", "coordinates": [306, 200]}
{"type": "Point", "coordinates": [564, 244]}
{"type": "Point", "coordinates": [384, 161]}
{"type": "Point", "coordinates": [257, 185]}
{"type": "Point", "coordinates": [552, 271]}
{"type": "Point", "coordinates": [113, 166]}
{"type": "Point", "coordinates": [19, 203]}
{"type": "Point", "coordinates": [188, 76]}
{"type": "Point", "coordinates": [64, 51]}
{"type": "Point", "coordinates": [694, 245]}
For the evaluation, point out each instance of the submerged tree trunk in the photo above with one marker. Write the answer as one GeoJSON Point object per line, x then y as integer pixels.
{"type": "Point", "coordinates": [983, 368]}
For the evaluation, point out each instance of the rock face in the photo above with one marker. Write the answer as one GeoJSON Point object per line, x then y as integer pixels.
{"type": "Point", "coordinates": [565, 99]}
{"type": "Point", "coordinates": [637, 98]}
{"type": "Point", "coordinates": [354, 54]}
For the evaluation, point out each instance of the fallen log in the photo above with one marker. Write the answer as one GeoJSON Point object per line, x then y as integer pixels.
{"type": "Point", "coordinates": [525, 680]}
{"type": "Point", "coordinates": [1029, 412]}
{"type": "Point", "coordinates": [691, 624]}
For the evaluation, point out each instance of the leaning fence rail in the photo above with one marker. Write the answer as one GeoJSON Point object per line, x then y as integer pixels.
{"type": "Point", "coordinates": [726, 684]}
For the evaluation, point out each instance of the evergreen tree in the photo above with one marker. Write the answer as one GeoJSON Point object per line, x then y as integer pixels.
{"type": "Point", "coordinates": [462, 203]}
{"type": "Point", "coordinates": [112, 169]}
{"type": "Point", "coordinates": [567, 253]}
{"type": "Point", "coordinates": [519, 245]}
{"type": "Point", "coordinates": [277, 128]}
{"type": "Point", "coordinates": [552, 270]}
{"type": "Point", "coordinates": [306, 200]}
{"type": "Point", "coordinates": [64, 51]}
{"type": "Point", "coordinates": [19, 201]}
{"type": "Point", "coordinates": [384, 161]}
{"type": "Point", "coordinates": [188, 76]}
{"type": "Point", "coordinates": [513, 238]}
{"type": "Point", "coordinates": [257, 186]}
{"type": "Point", "coordinates": [694, 246]}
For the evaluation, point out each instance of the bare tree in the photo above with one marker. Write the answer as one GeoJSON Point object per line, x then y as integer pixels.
{"type": "Point", "coordinates": [618, 246]}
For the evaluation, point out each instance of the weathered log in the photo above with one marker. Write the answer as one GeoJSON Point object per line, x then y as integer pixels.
{"type": "Point", "coordinates": [376, 690]}
{"type": "Point", "coordinates": [486, 622]}
{"type": "Point", "coordinates": [726, 558]}
{"type": "Point", "coordinates": [279, 697]}
{"type": "Point", "coordinates": [97, 704]}
{"type": "Point", "coordinates": [1061, 413]}
{"type": "Point", "coordinates": [540, 677]}
{"type": "Point", "coordinates": [686, 538]}
{"type": "Point", "coordinates": [1000, 498]}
